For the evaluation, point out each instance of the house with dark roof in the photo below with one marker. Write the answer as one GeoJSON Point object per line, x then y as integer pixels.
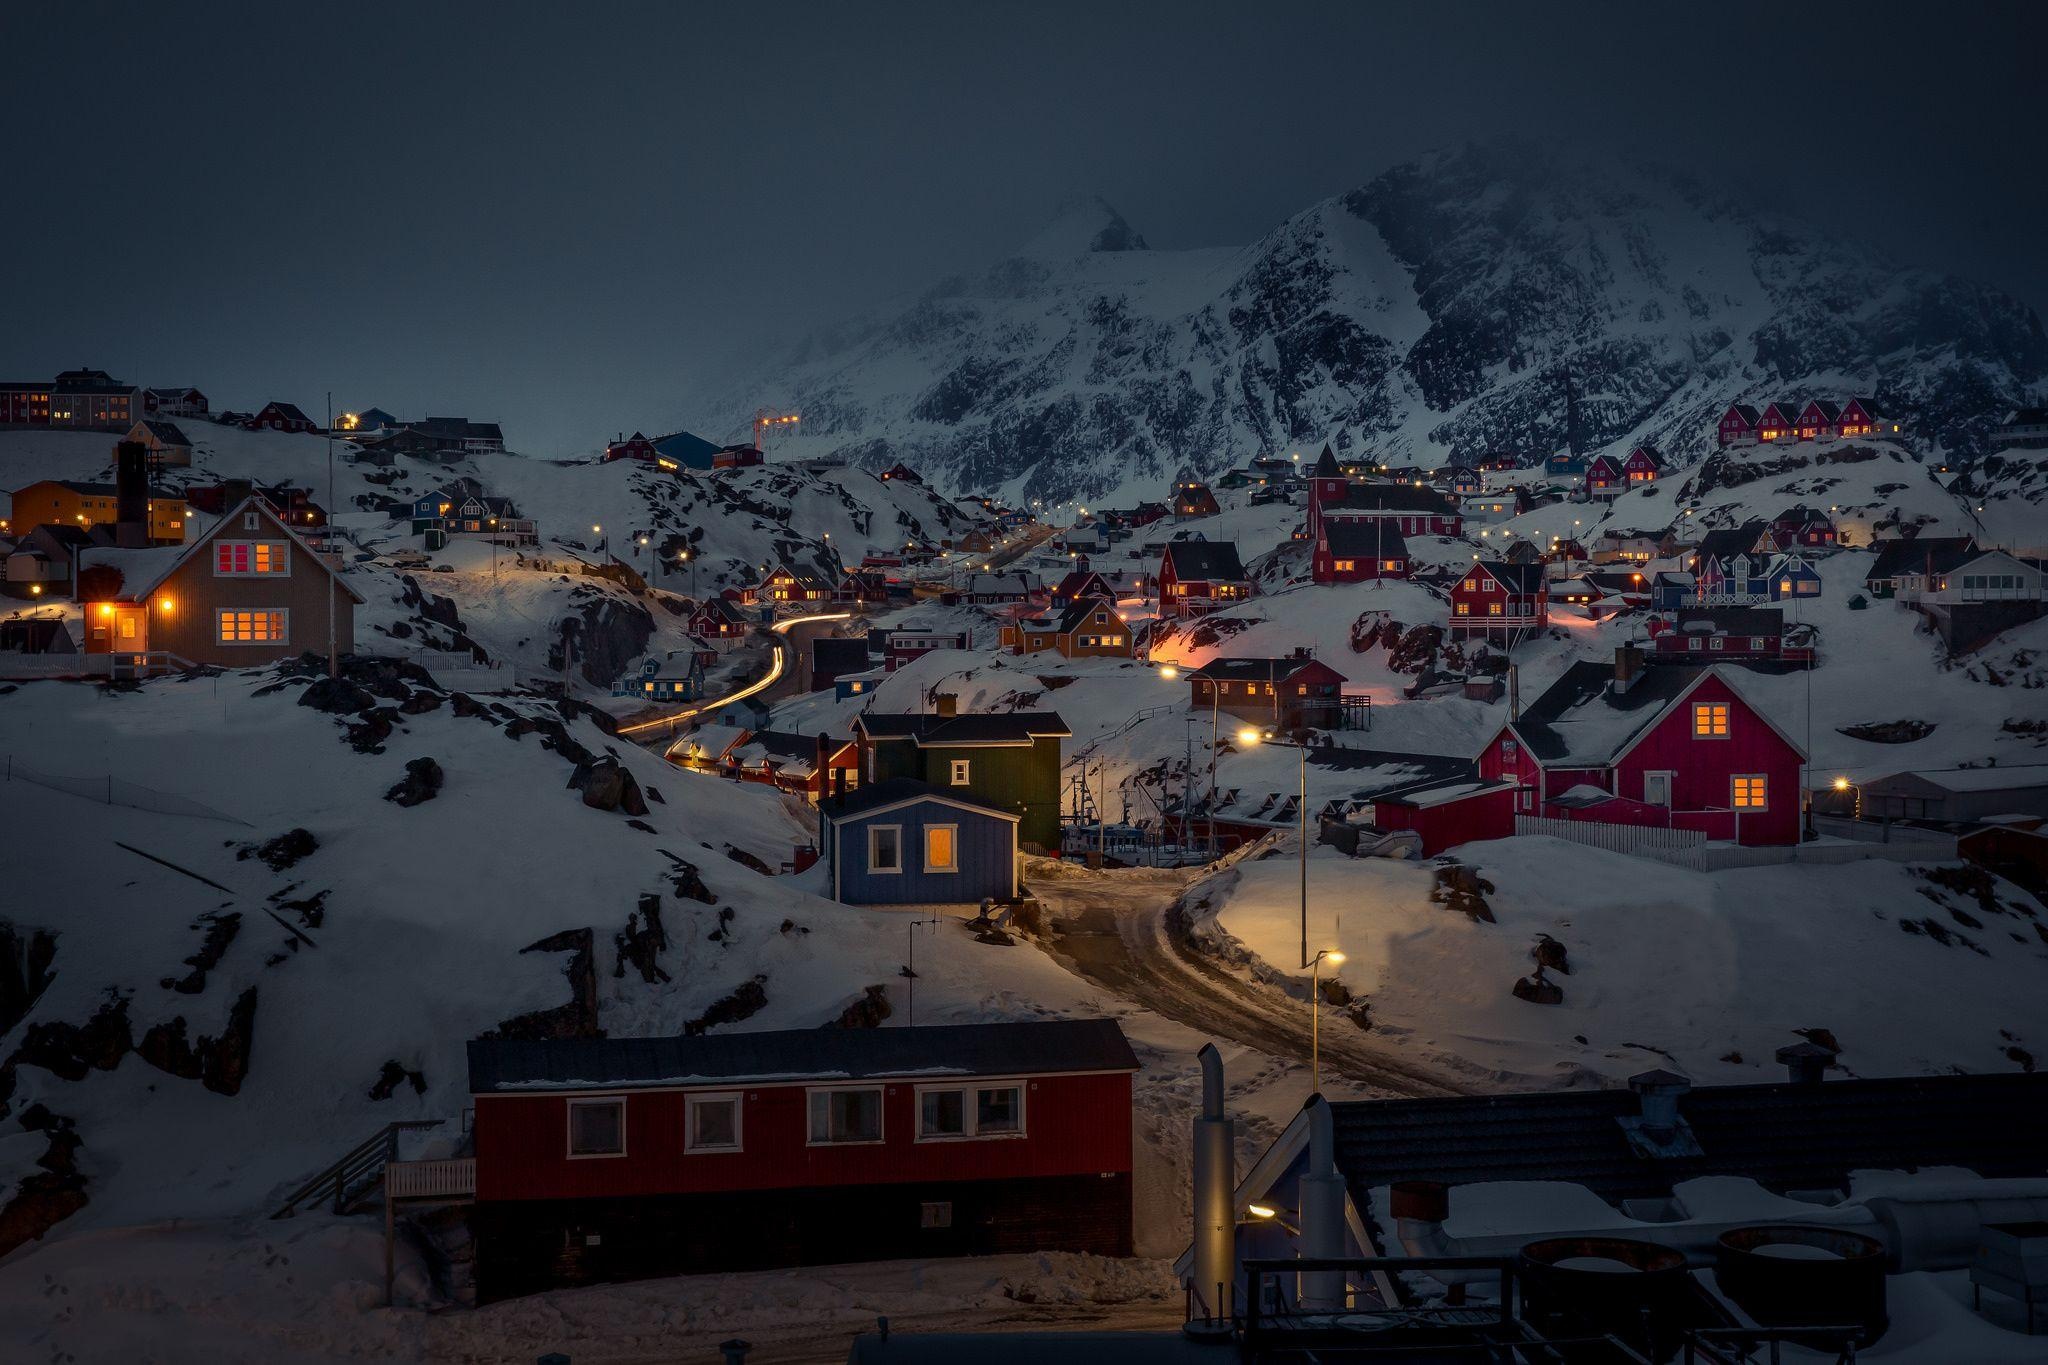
{"type": "Point", "coordinates": [1079, 583]}
{"type": "Point", "coordinates": [174, 402]}
{"type": "Point", "coordinates": [1010, 762]}
{"type": "Point", "coordinates": [1727, 560]}
{"type": "Point", "coordinates": [1819, 419]}
{"type": "Point", "coordinates": [2022, 427]}
{"type": "Point", "coordinates": [1000, 589]}
{"type": "Point", "coordinates": [1299, 692]}
{"type": "Point", "coordinates": [1675, 746]}
{"type": "Point", "coordinates": [1909, 566]}
{"type": "Point", "coordinates": [1779, 421]}
{"type": "Point", "coordinates": [1192, 499]}
{"type": "Point", "coordinates": [835, 656]}
{"type": "Point", "coordinates": [1866, 417]}
{"type": "Point", "coordinates": [1499, 602]}
{"type": "Point", "coordinates": [720, 620]}
{"type": "Point", "coordinates": [1198, 576]}
{"type": "Point", "coordinates": [677, 675]}
{"type": "Point", "coordinates": [1089, 628]}
{"type": "Point", "coordinates": [905, 842]}
{"type": "Point", "coordinates": [1738, 425]}
{"type": "Point", "coordinates": [635, 447]}
{"type": "Point", "coordinates": [1410, 507]}
{"type": "Point", "coordinates": [602, 1159]}
{"type": "Point", "coordinates": [1352, 550]}
{"type": "Point", "coordinates": [281, 417]}
{"type": "Point", "coordinates": [166, 443]}
{"type": "Point", "coordinates": [1800, 527]}
{"type": "Point", "coordinates": [785, 585]}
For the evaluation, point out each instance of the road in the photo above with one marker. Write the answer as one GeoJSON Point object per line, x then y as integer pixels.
{"type": "Point", "coordinates": [1124, 931]}
{"type": "Point", "coordinates": [996, 559]}
{"type": "Point", "coordinates": [785, 676]}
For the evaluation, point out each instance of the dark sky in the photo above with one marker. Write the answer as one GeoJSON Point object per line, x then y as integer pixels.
{"type": "Point", "coordinates": [567, 217]}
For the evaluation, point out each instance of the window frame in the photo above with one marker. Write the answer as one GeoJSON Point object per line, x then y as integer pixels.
{"type": "Point", "coordinates": [281, 549]}
{"type": "Point", "coordinates": [960, 772]}
{"type": "Point", "coordinates": [737, 1098]}
{"type": "Point", "coordinates": [970, 1091]}
{"type": "Point", "coordinates": [953, 843]}
{"type": "Point", "coordinates": [1713, 713]}
{"type": "Point", "coordinates": [282, 637]}
{"type": "Point", "coordinates": [812, 1092]}
{"type": "Point", "coordinates": [873, 868]}
{"type": "Point", "coordinates": [569, 1108]}
{"type": "Point", "coordinates": [1763, 792]}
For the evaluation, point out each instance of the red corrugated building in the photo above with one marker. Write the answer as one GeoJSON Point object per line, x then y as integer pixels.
{"type": "Point", "coordinates": [612, 1159]}
{"type": "Point", "coordinates": [1499, 601]}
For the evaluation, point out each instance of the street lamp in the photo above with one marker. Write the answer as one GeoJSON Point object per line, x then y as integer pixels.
{"type": "Point", "coordinates": [1315, 1015]}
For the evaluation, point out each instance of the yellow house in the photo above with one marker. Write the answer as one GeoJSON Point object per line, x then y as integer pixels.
{"type": "Point", "coordinates": [62, 502]}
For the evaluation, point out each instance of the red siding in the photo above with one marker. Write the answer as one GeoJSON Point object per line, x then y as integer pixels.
{"type": "Point", "coordinates": [1074, 1125]}
{"type": "Point", "coordinates": [1488, 815]}
{"type": "Point", "coordinates": [1704, 768]}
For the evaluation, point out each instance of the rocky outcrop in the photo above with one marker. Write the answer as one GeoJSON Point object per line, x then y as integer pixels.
{"type": "Point", "coordinates": [394, 1074]}
{"type": "Point", "coordinates": [283, 851]}
{"type": "Point", "coordinates": [576, 1019]}
{"type": "Point", "coordinates": [221, 929]}
{"type": "Point", "coordinates": [47, 1198]}
{"type": "Point", "coordinates": [748, 1000]}
{"type": "Point", "coordinates": [422, 782]}
{"type": "Point", "coordinates": [1461, 888]}
{"type": "Point", "coordinates": [220, 1063]}
{"type": "Point", "coordinates": [867, 1012]}
{"type": "Point", "coordinates": [26, 956]}
{"type": "Point", "coordinates": [606, 784]}
{"type": "Point", "coordinates": [642, 942]}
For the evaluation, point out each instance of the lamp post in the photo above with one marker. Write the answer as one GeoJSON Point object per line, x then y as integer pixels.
{"type": "Point", "coordinates": [911, 966]}
{"type": "Point", "coordinates": [1315, 1015]}
{"type": "Point", "coordinates": [1251, 737]}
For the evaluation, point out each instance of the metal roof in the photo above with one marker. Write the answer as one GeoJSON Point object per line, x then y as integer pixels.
{"type": "Point", "coordinates": [897, 791]}
{"type": "Point", "coordinates": [1024, 1048]}
{"type": "Point", "coordinates": [935, 731]}
{"type": "Point", "coordinates": [1205, 561]}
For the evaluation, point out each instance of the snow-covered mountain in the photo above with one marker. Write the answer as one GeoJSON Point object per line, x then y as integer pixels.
{"type": "Point", "coordinates": [1496, 298]}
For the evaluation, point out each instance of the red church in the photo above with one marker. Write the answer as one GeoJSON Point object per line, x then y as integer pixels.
{"type": "Point", "coordinates": [1670, 746]}
{"type": "Point", "coordinates": [622, 1158]}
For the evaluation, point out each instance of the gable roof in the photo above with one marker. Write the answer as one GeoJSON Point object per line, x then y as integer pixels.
{"type": "Point", "coordinates": [1369, 539]}
{"type": "Point", "coordinates": [934, 731]}
{"type": "Point", "coordinates": [1914, 554]}
{"type": "Point", "coordinates": [289, 411]}
{"type": "Point", "coordinates": [1581, 721]}
{"type": "Point", "coordinates": [1326, 465]}
{"type": "Point", "coordinates": [1743, 410]}
{"type": "Point", "coordinates": [897, 792]}
{"type": "Point", "coordinates": [1258, 670]}
{"type": "Point", "coordinates": [1650, 453]}
{"type": "Point", "coordinates": [838, 654]}
{"type": "Point", "coordinates": [1730, 541]}
{"type": "Point", "coordinates": [1205, 560]}
{"type": "Point", "coordinates": [1828, 409]}
{"type": "Point", "coordinates": [1394, 497]}
{"type": "Point", "coordinates": [254, 503]}
{"type": "Point", "coordinates": [1512, 577]}
{"type": "Point", "coordinates": [1799, 514]}
{"type": "Point", "coordinates": [1034, 1047]}
{"type": "Point", "coordinates": [1730, 621]}
{"type": "Point", "coordinates": [167, 432]}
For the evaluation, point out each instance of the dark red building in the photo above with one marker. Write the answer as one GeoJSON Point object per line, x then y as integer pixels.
{"type": "Point", "coordinates": [1705, 635]}
{"type": "Point", "coordinates": [1644, 464]}
{"type": "Point", "coordinates": [621, 1158]}
{"type": "Point", "coordinates": [1449, 814]}
{"type": "Point", "coordinates": [1803, 527]}
{"type": "Point", "coordinates": [1360, 551]}
{"type": "Point", "coordinates": [1499, 601]}
{"type": "Point", "coordinates": [1864, 417]}
{"type": "Point", "coordinates": [282, 417]}
{"type": "Point", "coordinates": [1738, 424]}
{"type": "Point", "coordinates": [1412, 508]}
{"type": "Point", "coordinates": [1679, 738]}
{"type": "Point", "coordinates": [1198, 576]}
{"type": "Point", "coordinates": [1820, 417]}
{"type": "Point", "coordinates": [634, 447]}
{"type": "Point", "coordinates": [1779, 421]}
{"type": "Point", "coordinates": [1605, 478]}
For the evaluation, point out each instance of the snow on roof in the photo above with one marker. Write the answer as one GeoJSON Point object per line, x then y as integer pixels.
{"type": "Point", "coordinates": [1983, 779]}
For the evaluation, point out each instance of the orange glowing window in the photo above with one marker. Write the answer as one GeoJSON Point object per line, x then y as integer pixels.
{"type": "Point", "coordinates": [1748, 792]}
{"type": "Point", "coordinates": [1710, 720]}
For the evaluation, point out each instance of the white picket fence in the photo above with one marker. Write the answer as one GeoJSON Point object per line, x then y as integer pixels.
{"type": "Point", "coordinates": [1691, 849]}
{"type": "Point", "coordinates": [458, 671]}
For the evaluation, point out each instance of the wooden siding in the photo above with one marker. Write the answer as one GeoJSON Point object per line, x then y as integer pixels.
{"type": "Point", "coordinates": [1487, 815]}
{"type": "Point", "coordinates": [1024, 780]}
{"type": "Point", "coordinates": [985, 853]}
{"type": "Point", "coordinates": [1074, 1125]}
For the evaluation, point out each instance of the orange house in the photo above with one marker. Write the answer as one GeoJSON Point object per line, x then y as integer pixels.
{"type": "Point", "coordinates": [1087, 629]}
{"type": "Point", "coordinates": [62, 502]}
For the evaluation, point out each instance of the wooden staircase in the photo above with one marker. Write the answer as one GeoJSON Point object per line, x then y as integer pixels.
{"type": "Point", "coordinates": [350, 1180]}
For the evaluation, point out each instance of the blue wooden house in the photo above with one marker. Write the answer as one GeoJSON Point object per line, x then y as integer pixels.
{"type": "Point", "coordinates": [905, 842]}
{"type": "Point", "coordinates": [1565, 464]}
{"type": "Point", "coordinates": [857, 684]}
{"type": "Point", "coordinates": [1790, 576]}
{"type": "Point", "coordinates": [679, 677]}
{"type": "Point", "coordinates": [1671, 589]}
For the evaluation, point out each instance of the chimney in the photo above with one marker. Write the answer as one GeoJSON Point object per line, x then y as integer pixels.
{"type": "Point", "coordinates": [1215, 1230]}
{"type": "Point", "coordinates": [131, 495]}
{"type": "Point", "coordinates": [233, 493]}
{"type": "Point", "coordinates": [735, 1351]}
{"type": "Point", "coordinates": [1658, 1092]}
{"type": "Point", "coordinates": [947, 704]}
{"type": "Point", "coordinates": [1806, 1063]}
{"type": "Point", "coordinates": [1628, 667]}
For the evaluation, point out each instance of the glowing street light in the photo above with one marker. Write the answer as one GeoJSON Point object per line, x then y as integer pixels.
{"type": "Point", "coordinates": [1315, 1015]}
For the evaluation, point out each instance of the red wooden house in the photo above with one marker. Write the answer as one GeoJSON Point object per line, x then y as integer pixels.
{"type": "Point", "coordinates": [1446, 814]}
{"type": "Point", "coordinates": [1778, 421]}
{"type": "Point", "coordinates": [1819, 419]}
{"type": "Point", "coordinates": [1739, 424]}
{"type": "Point", "coordinates": [720, 619]}
{"type": "Point", "coordinates": [1673, 746]}
{"type": "Point", "coordinates": [1499, 601]}
{"type": "Point", "coordinates": [1864, 417]}
{"type": "Point", "coordinates": [905, 643]}
{"type": "Point", "coordinates": [859, 587]}
{"type": "Point", "coordinates": [1197, 576]}
{"type": "Point", "coordinates": [1803, 527]}
{"type": "Point", "coordinates": [1360, 551]}
{"type": "Point", "coordinates": [1644, 464]}
{"type": "Point", "coordinates": [900, 473]}
{"type": "Point", "coordinates": [1410, 507]}
{"type": "Point", "coordinates": [634, 447]}
{"type": "Point", "coordinates": [282, 417]}
{"type": "Point", "coordinates": [1298, 692]}
{"type": "Point", "coordinates": [1605, 478]}
{"type": "Point", "coordinates": [1706, 635]}
{"type": "Point", "coordinates": [1191, 499]}
{"type": "Point", "coordinates": [1082, 583]}
{"type": "Point", "coordinates": [622, 1158]}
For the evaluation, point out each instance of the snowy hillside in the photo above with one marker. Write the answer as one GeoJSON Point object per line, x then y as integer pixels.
{"type": "Point", "coordinates": [2008, 492]}
{"type": "Point", "coordinates": [1445, 308]}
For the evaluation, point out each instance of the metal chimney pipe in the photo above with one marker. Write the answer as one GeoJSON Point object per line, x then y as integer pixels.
{"type": "Point", "coordinates": [131, 495]}
{"type": "Point", "coordinates": [1322, 1210]}
{"type": "Point", "coordinates": [735, 1351]}
{"type": "Point", "coordinates": [1215, 1230]}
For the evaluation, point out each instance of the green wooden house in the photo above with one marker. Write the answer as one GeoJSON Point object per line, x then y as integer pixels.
{"type": "Point", "coordinates": [1010, 762]}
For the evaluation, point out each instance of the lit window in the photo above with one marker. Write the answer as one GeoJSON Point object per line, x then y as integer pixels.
{"type": "Point", "coordinates": [941, 848]}
{"type": "Point", "coordinates": [252, 627]}
{"type": "Point", "coordinates": [597, 1128]}
{"type": "Point", "coordinates": [1710, 720]}
{"type": "Point", "coordinates": [846, 1115]}
{"type": "Point", "coordinates": [713, 1124]}
{"type": "Point", "coordinates": [1346, 565]}
{"type": "Point", "coordinates": [1493, 609]}
{"type": "Point", "coordinates": [1464, 608]}
{"type": "Point", "coordinates": [1749, 792]}
{"type": "Point", "coordinates": [250, 558]}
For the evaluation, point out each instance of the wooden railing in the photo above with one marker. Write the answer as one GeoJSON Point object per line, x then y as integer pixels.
{"type": "Point", "coordinates": [430, 1179]}
{"type": "Point", "coordinates": [357, 1173]}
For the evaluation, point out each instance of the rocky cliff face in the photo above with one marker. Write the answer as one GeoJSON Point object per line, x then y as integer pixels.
{"type": "Point", "coordinates": [1493, 299]}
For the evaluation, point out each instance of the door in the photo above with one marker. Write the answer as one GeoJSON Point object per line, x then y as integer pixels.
{"type": "Point", "coordinates": [1657, 789]}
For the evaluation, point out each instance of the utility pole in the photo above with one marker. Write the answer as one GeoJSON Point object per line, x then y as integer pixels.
{"type": "Point", "coordinates": [333, 654]}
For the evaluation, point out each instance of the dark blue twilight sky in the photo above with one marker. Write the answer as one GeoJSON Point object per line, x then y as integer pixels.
{"type": "Point", "coordinates": [568, 216]}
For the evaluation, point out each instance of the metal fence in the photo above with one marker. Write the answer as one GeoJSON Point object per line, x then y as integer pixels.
{"type": "Point", "coordinates": [114, 791]}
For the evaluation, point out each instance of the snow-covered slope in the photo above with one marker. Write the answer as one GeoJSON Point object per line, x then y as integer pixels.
{"type": "Point", "coordinates": [1499, 298]}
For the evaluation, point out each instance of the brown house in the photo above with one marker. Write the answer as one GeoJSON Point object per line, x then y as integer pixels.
{"type": "Point", "coordinates": [1087, 629]}
{"type": "Point", "coordinates": [248, 591]}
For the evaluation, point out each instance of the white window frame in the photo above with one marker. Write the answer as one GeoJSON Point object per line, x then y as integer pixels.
{"type": "Point", "coordinates": [881, 1116]}
{"type": "Point", "coordinates": [737, 1098]}
{"type": "Point", "coordinates": [896, 871]}
{"type": "Point", "coordinates": [961, 771]}
{"type": "Point", "coordinates": [1669, 776]}
{"type": "Point", "coordinates": [970, 1103]}
{"type": "Point", "coordinates": [569, 1126]}
{"type": "Point", "coordinates": [925, 852]}
{"type": "Point", "coordinates": [285, 626]}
